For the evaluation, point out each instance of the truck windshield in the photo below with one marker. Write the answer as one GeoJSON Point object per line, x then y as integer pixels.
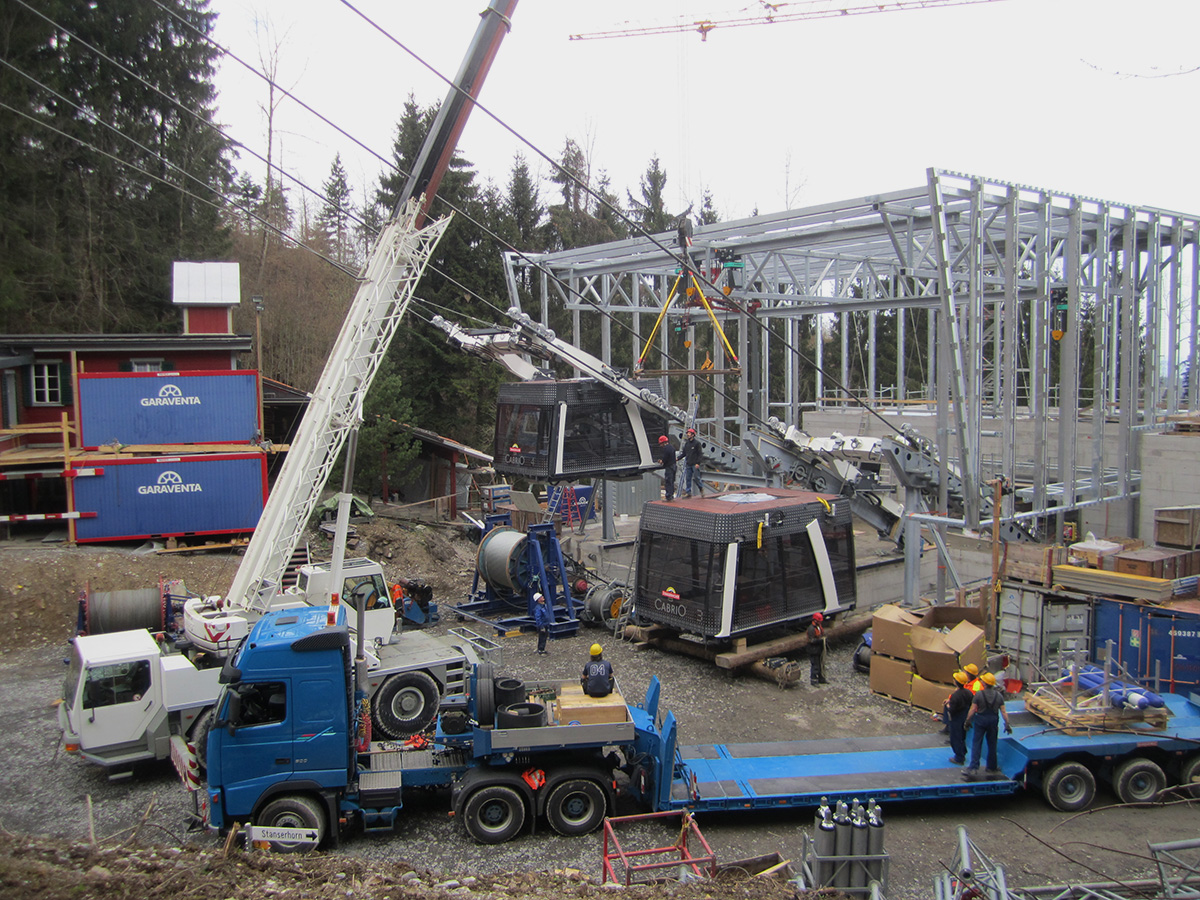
{"type": "Point", "coordinates": [368, 589]}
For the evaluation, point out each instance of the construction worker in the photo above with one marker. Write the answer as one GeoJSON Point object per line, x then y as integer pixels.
{"type": "Point", "coordinates": [987, 709]}
{"type": "Point", "coordinates": [597, 677]}
{"type": "Point", "coordinates": [958, 705]}
{"type": "Point", "coordinates": [974, 685]}
{"type": "Point", "coordinates": [692, 455]}
{"type": "Point", "coordinates": [666, 459]}
{"type": "Point", "coordinates": [816, 649]}
{"type": "Point", "coordinates": [543, 618]}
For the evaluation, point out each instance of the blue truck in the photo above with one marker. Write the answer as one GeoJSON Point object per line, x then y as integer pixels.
{"type": "Point", "coordinates": [290, 753]}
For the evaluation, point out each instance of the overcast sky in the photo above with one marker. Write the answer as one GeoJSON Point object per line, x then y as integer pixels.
{"type": "Point", "coordinates": [1068, 95]}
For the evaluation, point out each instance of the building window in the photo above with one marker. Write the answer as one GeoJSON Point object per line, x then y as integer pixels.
{"type": "Point", "coordinates": [146, 365]}
{"type": "Point", "coordinates": [46, 384]}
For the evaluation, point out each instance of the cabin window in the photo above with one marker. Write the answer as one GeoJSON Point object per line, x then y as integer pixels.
{"type": "Point", "coordinates": [46, 383]}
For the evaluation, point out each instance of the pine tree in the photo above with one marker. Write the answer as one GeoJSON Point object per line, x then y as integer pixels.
{"type": "Point", "coordinates": [650, 212]}
{"type": "Point", "coordinates": [335, 214]}
{"type": "Point", "coordinates": [97, 210]}
{"type": "Point", "coordinates": [708, 209]}
{"type": "Point", "coordinates": [523, 207]}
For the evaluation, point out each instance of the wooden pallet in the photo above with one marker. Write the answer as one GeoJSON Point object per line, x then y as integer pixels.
{"type": "Point", "coordinates": [1055, 709]}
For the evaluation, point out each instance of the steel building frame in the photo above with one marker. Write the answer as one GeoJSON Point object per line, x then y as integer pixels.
{"type": "Point", "coordinates": [1006, 270]}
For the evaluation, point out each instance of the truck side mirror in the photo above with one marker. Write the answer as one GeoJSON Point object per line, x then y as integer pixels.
{"type": "Point", "coordinates": [235, 712]}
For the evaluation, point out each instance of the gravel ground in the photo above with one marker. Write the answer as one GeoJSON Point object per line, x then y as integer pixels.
{"type": "Point", "coordinates": [43, 792]}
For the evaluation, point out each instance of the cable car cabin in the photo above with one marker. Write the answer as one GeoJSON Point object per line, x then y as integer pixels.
{"type": "Point", "coordinates": [559, 430]}
{"type": "Point", "coordinates": [752, 560]}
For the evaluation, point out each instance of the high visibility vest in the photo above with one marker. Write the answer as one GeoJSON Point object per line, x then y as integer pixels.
{"type": "Point", "coordinates": [975, 685]}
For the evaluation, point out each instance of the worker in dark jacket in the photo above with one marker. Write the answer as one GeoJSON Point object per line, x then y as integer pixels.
{"type": "Point", "coordinates": [543, 618]}
{"type": "Point", "coordinates": [597, 677]}
{"type": "Point", "coordinates": [816, 649]}
{"type": "Point", "coordinates": [692, 454]}
{"type": "Point", "coordinates": [957, 707]}
{"type": "Point", "coordinates": [666, 459]}
{"type": "Point", "coordinates": [986, 711]}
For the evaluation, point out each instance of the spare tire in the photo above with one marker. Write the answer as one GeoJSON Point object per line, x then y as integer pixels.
{"type": "Point", "coordinates": [507, 691]}
{"type": "Point", "coordinates": [530, 714]}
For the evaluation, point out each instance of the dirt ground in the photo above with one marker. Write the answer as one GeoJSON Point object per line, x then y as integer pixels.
{"type": "Point", "coordinates": [67, 832]}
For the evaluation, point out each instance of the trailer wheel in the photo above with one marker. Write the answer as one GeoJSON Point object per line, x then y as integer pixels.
{"type": "Point", "coordinates": [1069, 787]}
{"type": "Point", "coordinates": [1189, 777]}
{"type": "Point", "coordinates": [577, 806]}
{"type": "Point", "coordinates": [493, 815]}
{"type": "Point", "coordinates": [293, 812]}
{"type": "Point", "coordinates": [1138, 780]}
{"type": "Point", "coordinates": [405, 705]}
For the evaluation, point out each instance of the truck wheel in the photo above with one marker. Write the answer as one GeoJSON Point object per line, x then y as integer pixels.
{"type": "Point", "coordinates": [495, 814]}
{"type": "Point", "coordinates": [1138, 780]}
{"type": "Point", "coordinates": [200, 738]}
{"type": "Point", "coordinates": [576, 807]}
{"type": "Point", "coordinates": [1189, 777]}
{"type": "Point", "coordinates": [293, 812]}
{"type": "Point", "coordinates": [1069, 787]}
{"type": "Point", "coordinates": [405, 705]}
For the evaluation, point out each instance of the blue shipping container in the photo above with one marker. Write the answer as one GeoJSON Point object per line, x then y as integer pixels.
{"type": "Point", "coordinates": [1150, 638]}
{"type": "Point", "coordinates": [168, 408]}
{"type": "Point", "coordinates": [165, 496]}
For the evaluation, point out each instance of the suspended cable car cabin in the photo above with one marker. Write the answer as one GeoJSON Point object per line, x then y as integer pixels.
{"type": "Point", "coordinates": [743, 562]}
{"type": "Point", "coordinates": [549, 430]}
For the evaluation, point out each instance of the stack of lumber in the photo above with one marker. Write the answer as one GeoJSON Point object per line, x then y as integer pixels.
{"type": "Point", "coordinates": [1052, 704]}
{"type": "Point", "coordinates": [1113, 584]}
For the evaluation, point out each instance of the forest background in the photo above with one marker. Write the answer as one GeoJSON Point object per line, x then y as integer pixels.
{"type": "Point", "coordinates": [113, 166]}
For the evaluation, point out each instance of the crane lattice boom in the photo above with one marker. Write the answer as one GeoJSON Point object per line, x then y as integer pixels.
{"type": "Point", "coordinates": [773, 13]}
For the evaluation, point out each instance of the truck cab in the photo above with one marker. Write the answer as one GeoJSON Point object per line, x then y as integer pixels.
{"type": "Point", "coordinates": [281, 746]}
{"type": "Point", "coordinates": [120, 696]}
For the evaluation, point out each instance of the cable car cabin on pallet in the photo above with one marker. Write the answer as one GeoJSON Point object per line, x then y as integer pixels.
{"type": "Point", "coordinates": [744, 562]}
{"type": "Point", "coordinates": [561, 430]}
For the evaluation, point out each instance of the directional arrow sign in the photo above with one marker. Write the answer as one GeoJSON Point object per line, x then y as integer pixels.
{"type": "Point", "coordinates": [285, 835]}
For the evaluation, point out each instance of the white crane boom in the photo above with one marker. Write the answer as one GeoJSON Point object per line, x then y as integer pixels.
{"type": "Point", "coordinates": [386, 286]}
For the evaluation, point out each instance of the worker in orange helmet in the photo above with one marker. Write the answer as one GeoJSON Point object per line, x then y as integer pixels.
{"type": "Point", "coordinates": [816, 649]}
{"type": "Point", "coordinates": [666, 459]}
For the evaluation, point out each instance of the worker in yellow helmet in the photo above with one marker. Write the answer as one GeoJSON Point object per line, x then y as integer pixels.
{"type": "Point", "coordinates": [597, 677]}
{"type": "Point", "coordinates": [987, 709]}
{"type": "Point", "coordinates": [974, 685]}
{"type": "Point", "coordinates": [958, 705]}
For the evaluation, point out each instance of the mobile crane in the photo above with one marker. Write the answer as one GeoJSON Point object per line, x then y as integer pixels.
{"type": "Point", "coordinates": [127, 693]}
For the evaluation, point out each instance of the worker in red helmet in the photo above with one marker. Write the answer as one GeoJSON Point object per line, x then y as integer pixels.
{"type": "Point", "coordinates": [666, 459]}
{"type": "Point", "coordinates": [816, 649]}
{"type": "Point", "coordinates": [692, 454]}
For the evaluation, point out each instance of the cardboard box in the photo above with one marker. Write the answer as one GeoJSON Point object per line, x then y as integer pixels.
{"type": "Point", "coordinates": [890, 676]}
{"type": "Point", "coordinates": [945, 640]}
{"type": "Point", "coordinates": [889, 631]}
{"type": "Point", "coordinates": [928, 694]}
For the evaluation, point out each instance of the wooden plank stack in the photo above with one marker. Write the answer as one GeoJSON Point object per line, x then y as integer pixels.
{"type": "Point", "coordinates": [1033, 562]}
{"type": "Point", "coordinates": [1103, 583]}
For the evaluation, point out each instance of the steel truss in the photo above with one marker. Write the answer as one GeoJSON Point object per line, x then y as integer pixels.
{"type": "Point", "coordinates": [1057, 326]}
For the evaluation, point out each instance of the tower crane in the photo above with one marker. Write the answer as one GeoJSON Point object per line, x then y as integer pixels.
{"type": "Point", "coordinates": [774, 13]}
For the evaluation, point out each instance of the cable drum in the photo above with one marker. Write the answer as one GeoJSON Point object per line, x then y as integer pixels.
{"type": "Point", "coordinates": [603, 603]}
{"type": "Point", "coordinates": [108, 611]}
{"type": "Point", "coordinates": [501, 560]}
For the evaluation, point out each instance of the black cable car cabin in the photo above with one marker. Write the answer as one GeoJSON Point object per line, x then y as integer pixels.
{"type": "Point", "coordinates": [562, 430]}
{"type": "Point", "coordinates": [753, 560]}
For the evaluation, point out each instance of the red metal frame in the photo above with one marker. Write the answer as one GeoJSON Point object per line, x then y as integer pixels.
{"type": "Point", "coordinates": [687, 829]}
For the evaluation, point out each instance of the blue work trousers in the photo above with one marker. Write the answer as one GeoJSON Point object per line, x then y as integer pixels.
{"type": "Point", "coordinates": [986, 725]}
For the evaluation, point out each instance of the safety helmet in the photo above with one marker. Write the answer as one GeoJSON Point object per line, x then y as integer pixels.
{"type": "Point", "coordinates": [662, 439]}
{"type": "Point", "coordinates": [538, 596]}
{"type": "Point", "coordinates": [817, 617]}
{"type": "Point", "coordinates": [597, 649]}
{"type": "Point", "coordinates": [971, 669]}
{"type": "Point", "coordinates": [691, 431]}
{"type": "Point", "coordinates": [960, 677]}
{"type": "Point", "coordinates": [988, 678]}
